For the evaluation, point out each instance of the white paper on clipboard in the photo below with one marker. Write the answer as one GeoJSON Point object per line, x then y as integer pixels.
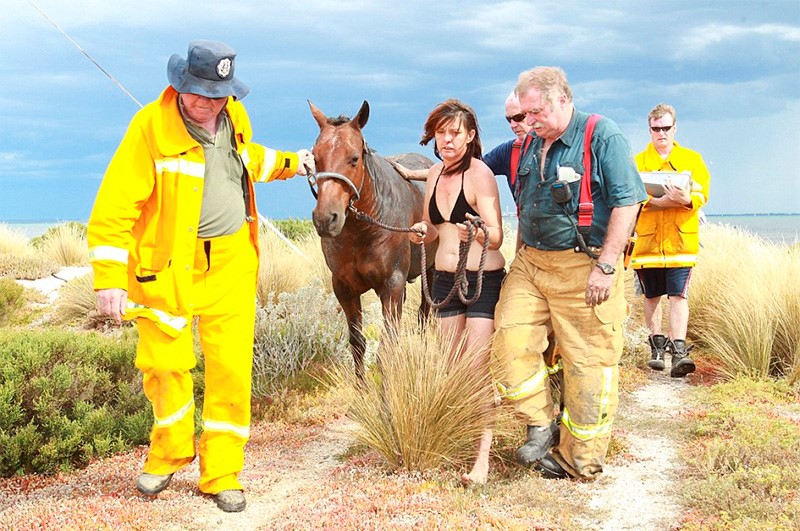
{"type": "Point", "coordinates": [654, 180]}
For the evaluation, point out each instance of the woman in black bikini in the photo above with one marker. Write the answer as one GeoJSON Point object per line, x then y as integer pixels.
{"type": "Point", "coordinates": [459, 188]}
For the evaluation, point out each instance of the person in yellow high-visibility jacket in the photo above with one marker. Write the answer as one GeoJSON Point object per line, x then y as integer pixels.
{"type": "Point", "coordinates": [668, 239]}
{"type": "Point", "coordinates": [173, 236]}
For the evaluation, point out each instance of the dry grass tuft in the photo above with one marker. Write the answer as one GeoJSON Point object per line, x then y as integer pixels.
{"type": "Point", "coordinates": [66, 244]}
{"type": "Point", "coordinates": [418, 408]}
{"type": "Point", "coordinates": [77, 304]}
{"type": "Point", "coordinates": [19, 259]}
{"type": "Point", "coordinates": [745, 303]}
{"type": "Point", "coordinates": [283, 269]}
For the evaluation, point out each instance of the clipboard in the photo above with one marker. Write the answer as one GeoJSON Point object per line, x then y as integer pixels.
{"type": "Point", "coordinates": [654, 180]}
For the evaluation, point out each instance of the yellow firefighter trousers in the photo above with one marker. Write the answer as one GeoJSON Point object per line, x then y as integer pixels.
{"type": "Point", "coordinates": [544, 291]}
{"type": "Point", "coordinates": [223, 299]}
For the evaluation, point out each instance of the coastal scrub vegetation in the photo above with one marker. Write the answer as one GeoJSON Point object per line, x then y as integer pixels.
{"type": "Point", "coordinates": [19, 259]}
{"type": "Point", "coordinates": [743, 459]}
{"type": "Point", "coordinates": [67, 396]}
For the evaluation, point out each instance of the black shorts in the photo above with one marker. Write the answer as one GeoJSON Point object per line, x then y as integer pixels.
{"type": "Point", "coordinates": [670, 281]}
{"type": "Point", "coordinates": [483, 307]}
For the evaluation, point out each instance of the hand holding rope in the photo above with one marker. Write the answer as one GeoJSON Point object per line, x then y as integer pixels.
{"type": "Point", "coordinates": [460, 282]}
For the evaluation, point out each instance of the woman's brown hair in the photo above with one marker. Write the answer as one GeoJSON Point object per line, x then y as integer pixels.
{"type": "Point", "coordinates": [453, 110]}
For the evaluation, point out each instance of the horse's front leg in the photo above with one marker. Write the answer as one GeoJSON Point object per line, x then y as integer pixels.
{"type": "Point", "coordinates": [350, 301]}
{"type": "Point", "coordinates": [392, 296]}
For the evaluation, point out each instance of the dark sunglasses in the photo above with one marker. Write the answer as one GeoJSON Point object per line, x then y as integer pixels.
{"type": "Point", "coordinates": [516, 118]}
{"type": "Point", "coordinates": [662, 129]}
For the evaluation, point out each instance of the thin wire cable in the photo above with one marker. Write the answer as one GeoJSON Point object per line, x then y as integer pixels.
{"type": "Point", "coordinates": [103, 70]}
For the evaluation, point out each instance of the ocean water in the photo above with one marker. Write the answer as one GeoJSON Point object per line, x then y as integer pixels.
{"type": "Point", "coordinates": [777, 228]}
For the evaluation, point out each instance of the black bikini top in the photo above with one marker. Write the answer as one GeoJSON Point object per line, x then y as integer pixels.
{"type": "Point", "coordinates": [460, 209]}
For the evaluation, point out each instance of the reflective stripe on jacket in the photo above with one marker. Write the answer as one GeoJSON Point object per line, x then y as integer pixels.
{"type": "Point", "coordinates": [669, 237]}
{"type": "Point", "coordinates": [143, 227]}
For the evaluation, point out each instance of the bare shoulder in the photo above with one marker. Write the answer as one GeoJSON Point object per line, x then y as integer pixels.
{"type": "Point", "coordinates": [480, 175]}
{"type": "Point", "coordinates": [435, 170]}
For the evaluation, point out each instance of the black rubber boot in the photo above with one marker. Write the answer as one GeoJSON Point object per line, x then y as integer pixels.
{"type": "Point", "coordinates": [682, 364]}
{"type": "Point", "coordinates": [540, 440]}
{"type": "Point", "coordinates": [550, 468]}
{"type": "Point", "coordinates": [658, 346]}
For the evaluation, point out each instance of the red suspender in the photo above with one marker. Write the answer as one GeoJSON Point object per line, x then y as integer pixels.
{"type": "Point", "coordinates": [585, 203]}
{"type": "Point", "coordinates": [516, 152]}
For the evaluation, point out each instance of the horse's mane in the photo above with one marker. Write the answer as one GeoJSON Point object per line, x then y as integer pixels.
{"type": "Point", "coordinates": [339, 120]}
{"type": "Point", "coordinates": [390, 187]}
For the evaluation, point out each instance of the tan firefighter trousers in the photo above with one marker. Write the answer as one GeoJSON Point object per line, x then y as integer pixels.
{"type": "Point", "coordinates": [544, 291]}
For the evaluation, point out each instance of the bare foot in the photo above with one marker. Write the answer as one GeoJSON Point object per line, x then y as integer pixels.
{"type": "Point", "coordinates": [475, 477]}
{"type": "Point", "coordinates": [480, 470]}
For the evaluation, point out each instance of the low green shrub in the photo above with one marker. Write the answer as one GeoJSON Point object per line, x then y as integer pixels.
{"type": "Point", "coordinates": [743, 465]}
{"type": "Point", "coordinates": [11, 299]}
{"type": "Point", "coordinates": [293, 228]}
{"type": "Point", "coordinates": [67, 397]}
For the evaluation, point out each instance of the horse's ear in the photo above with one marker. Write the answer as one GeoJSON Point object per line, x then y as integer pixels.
{"type": "Point", "coordinates": [360, 119]}
{"type": "Point", "coordinates": [318, 115]}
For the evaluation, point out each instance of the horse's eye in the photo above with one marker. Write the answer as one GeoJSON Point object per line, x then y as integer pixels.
{"type": "Point", "coordinates": [354, 160]}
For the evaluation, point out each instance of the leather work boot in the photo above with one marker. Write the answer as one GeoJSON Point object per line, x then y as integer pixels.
{"type": "Point", "coordinates": [549, 468]}
{"type": "Point", "coordinates": [152, 484]}
{"type": "Point", "coordinates": [682, 364]}
{"type": "Point", "coordinates": [230, 501]}
{"type": "Point", "coordinates": [658, 346]}
{"type": "Point", "coordinates": [540, 440]}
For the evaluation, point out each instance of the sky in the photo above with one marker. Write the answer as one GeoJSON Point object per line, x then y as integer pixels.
{"type": "Point", "coordinates": [731, 68]}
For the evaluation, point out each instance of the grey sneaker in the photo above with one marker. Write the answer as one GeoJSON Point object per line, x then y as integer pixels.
{"type": "Point", "coordinates": [230, 501]}
{"type": "Point", "coordinates": [152, 484]}
{"type": "Point", "coordinates": [540, 440]}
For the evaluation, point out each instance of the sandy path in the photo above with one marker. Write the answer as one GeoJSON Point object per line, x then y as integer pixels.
{"type": "Point", "coordinates": [638, 493]}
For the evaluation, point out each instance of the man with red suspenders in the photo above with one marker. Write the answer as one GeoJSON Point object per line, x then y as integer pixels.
{"type": "Point", "coordinates": [567, 277]}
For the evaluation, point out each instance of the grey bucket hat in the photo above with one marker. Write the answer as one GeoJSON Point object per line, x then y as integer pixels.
{"type": "Point", "coordinates": [207, 70]}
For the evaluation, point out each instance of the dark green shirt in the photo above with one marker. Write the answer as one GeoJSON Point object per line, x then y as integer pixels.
{"type": "Point", "coordinates": [548, 226]}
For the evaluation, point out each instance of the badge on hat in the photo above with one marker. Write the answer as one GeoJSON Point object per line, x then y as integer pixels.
{"type": "Point", "coordinates": [224, 68]}
{"type": "Point", "coordinates": [208, 70]}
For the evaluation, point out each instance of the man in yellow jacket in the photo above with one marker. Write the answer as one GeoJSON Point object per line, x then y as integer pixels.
{"type": "Point", "coordinates": [667, 245]}
{"type": "Point", "coordinates": [173, 238]}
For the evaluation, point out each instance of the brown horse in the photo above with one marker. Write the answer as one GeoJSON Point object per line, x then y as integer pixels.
{"type": "Point", "coordinates": [357, 191]}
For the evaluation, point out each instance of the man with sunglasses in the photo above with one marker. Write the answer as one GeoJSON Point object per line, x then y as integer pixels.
{"type": "Point", "coordinates": [503, 159]}
{"type": "Point", "coordinates": [667, 245]}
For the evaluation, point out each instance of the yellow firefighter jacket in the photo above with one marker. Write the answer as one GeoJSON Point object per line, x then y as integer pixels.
{"type": "Point", "coordinates": [669, 237]}
{"type": "Point", "coordinates": [143, 227]}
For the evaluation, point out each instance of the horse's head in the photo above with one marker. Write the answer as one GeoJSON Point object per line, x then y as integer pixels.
{"type": "Point", "coordinates": [341, 172]}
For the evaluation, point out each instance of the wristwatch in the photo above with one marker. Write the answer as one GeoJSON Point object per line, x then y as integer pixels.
{"type": "Point", "coordinates": [607, 269]}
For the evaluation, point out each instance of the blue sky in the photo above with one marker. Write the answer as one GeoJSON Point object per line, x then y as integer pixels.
{"type": "Point", "coordinates": [730, 68]}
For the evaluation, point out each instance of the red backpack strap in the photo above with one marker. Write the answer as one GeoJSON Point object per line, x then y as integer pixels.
{"type": "Point", "coordinates": [585, 203]}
